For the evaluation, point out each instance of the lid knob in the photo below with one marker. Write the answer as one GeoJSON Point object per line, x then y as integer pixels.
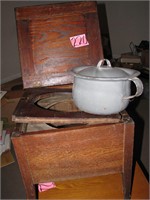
{"type": "Point", "coordinates": [101, 62]}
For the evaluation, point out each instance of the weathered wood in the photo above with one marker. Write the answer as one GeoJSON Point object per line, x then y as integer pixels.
{"type": "Point", "coordinates": [70, 153]}
{"type": "Point", "coordinates": [78, 152]}
{"type": "Point", "coordinates": [75, 153]}
{"type": "Point", "coordinates": [98, 188]}
{"type": "Point", "coordinates": [54, 10]}
{"type": "Point", "coordinates": [26, 110]}
{"type": "Point", "coordinates": [44, 32]}
{"type": "Point", "coordinates": [24, 167]}
{"type": "Point", "coordinates": [128, 158]}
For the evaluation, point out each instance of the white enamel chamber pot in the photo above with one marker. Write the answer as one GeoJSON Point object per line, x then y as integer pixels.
{"type": "Point", "coordinates": [104, 89]}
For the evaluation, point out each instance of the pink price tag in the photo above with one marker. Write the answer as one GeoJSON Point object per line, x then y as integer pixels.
{"type": "Point", "coordinates": [79, 41]}
{"type": "Point", "coordinates": [46, 186]}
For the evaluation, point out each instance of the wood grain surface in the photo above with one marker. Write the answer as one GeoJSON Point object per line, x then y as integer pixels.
{"type": "Point", "coordinates": [73, 153]}
{"type": "Point", "coordinates": [77, 152]}
{"type": "Point", "coordinates": [27, 110]}
{"type": "Point", "coordinates": [44, 32]}
{"type": "Point", "coordinates": [104, 187]}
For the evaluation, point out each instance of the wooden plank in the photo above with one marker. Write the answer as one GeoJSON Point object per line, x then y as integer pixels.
{"type": "Point", "coordinates": [24, 168]}
{"type": "Point", "coordinates": [27, 111]}
{"type": "Point", "coordinates": [94, 37]}
{"type": "Point", "coordinates": [44, 33]}
{"type": "Point", "coordinates": [25, 47]}
{"type": "Point", "coordinates": [54, 10]}
{"type": "Point", "coordinates": [128, 158]}
{"type": "Point", "coordinates": [104, 187]}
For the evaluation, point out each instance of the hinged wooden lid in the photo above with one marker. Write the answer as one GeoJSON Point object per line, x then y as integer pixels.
{"type": "Point", "coordinates": [47, 46]}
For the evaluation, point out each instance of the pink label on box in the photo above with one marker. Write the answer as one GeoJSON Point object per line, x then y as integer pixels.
{"type": "Point", "coordinates": [79, 41]}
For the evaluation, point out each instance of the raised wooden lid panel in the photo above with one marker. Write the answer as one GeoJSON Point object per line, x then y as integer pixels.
{"type": "Point", "coordinates": [54, 38]}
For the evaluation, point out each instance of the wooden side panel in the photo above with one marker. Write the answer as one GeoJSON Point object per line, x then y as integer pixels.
{"type": "Point", "coordinates": [128, 158]}
{"type": "Point", "coordinates": [26, 173]}
{"type": "Point", "coordinates": [72, 153]}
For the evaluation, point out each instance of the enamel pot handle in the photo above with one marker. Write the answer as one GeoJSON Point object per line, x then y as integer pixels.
{"type": "Point", "coordinates": [139, 88]}
{"type": "Point", "coordinates": [100, 64]}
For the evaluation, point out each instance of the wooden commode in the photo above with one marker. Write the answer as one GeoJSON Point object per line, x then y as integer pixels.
{"type": "Point", "coordinates": [52, 40]}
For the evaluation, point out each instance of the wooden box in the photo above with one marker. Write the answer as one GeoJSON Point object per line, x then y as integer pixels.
{"type": "Point", "coordinates": [52, 40]}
